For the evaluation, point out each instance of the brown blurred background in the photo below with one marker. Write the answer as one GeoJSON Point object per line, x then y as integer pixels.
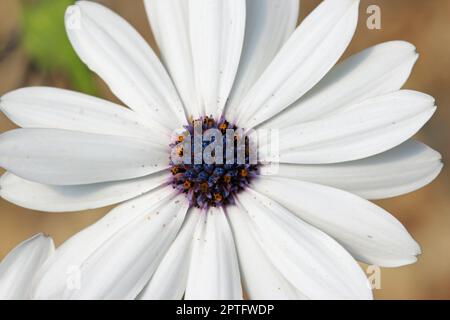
{"type": "Point", "coordinates": [34, 51]}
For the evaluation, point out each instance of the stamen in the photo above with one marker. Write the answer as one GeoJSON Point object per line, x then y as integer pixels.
{"type": "Point", "coordinates": [218, 197]}
{"type": "Point", "coordinates": [187, 184]}
{"type": "Point", "coordinates": [180, 151]}
{"type": "Point", "coordinates": [204, 187]}
{"type": "Point", "coordinates": [227, 179]}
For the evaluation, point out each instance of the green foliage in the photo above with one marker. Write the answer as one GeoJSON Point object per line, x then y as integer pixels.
{"type": "Point", "coordinates": [45, 39]}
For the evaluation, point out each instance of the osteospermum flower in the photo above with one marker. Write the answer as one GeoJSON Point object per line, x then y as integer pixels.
{"type": "Point", "coordinates": [217, 230]}
{"type": "Point", "coordinates": [18, 269]}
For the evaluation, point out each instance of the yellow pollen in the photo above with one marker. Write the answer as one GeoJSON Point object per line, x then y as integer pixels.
{"type": "Point", "coordinates": [244, 172]}
{"type": "Point", "coordinates": [187, 184]}
{"type": "Point", "coordinates": [180, 151]}
{"type": "Point", "coordinates": [218, 197]}
{"type": "Point", "coordinates": [204, 187]}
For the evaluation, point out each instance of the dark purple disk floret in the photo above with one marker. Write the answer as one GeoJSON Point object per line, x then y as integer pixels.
{"type": "Point", "coordinates": [210, 184]}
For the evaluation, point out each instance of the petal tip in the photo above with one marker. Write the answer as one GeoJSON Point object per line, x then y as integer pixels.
{"type": "Point", "coordinates": [405, 45]}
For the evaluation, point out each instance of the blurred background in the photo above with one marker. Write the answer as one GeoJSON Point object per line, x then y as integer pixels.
{"type": "Point", "coordinates": [34, 50]}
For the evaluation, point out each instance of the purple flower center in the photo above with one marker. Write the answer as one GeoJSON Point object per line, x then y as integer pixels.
{"type": "Point", "coordinates": [213, 162]}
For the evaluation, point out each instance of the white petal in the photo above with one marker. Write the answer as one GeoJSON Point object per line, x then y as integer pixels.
{"type": "Point", "coordinates": [307, 56]}
{"type": "Point", "coordinates": [170, 278]}
{"type": "Point", "coordinates": [62, 157]}
{"type": "Point", "coordinates": [49, 198]}
{"type": "Point", "coordinates": [260, 279]}
{"type": "Point", "coordinates": [367, 231]}
{"type": "Point", "coordinates": [115, 257]}
{"type": "Point", "coordinates": [269, 23]}
{"type": "Point", "coordinates": [217, 30]}
{"type": "Point", "coordinates": [113, 49]}
{"type": "Point", "coordinates": [214, 270]}
{"type": "Point", "coordinates": [170, 24]}
{"type": "Point", "coordinates": [368, 128]}
{"type": "Point", "coordinates": [312, 261]}
{"type": "Point", "coordinates": [400, 170]}
{"type": "Point", "coordinates": [42, 107]}
{"type": "Point", "coordinates": [375, 71]}
{"type": "Point", "coordinates": [18, 268]}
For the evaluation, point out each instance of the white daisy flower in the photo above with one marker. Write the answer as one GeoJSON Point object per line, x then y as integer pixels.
{"type": "Point", "coordinates": [213, 231]}
{"type": "Point", "coordinates": [18, 269]}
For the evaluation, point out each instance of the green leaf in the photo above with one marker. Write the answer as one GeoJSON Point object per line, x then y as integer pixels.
{"type": "Point", "coordinates": [46, 42]}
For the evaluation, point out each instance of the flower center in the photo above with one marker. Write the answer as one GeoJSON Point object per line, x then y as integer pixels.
{"type": "Point", "coordinates": [211, 161]}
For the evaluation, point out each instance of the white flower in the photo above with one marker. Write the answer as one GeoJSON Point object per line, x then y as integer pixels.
{"type": "Point", "coordinates": [343, 133]}
{"type": "Point", "coordinates": [18, 269]}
